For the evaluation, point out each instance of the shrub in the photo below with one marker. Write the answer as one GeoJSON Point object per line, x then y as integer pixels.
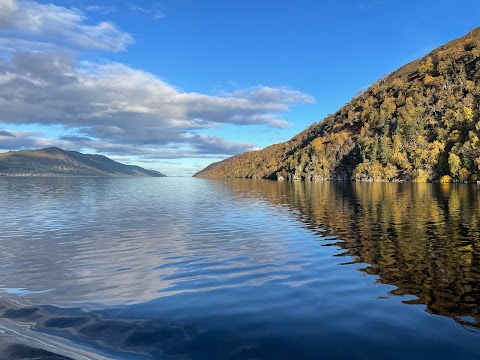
{"type": "Point", "coordinates": [446, 179]}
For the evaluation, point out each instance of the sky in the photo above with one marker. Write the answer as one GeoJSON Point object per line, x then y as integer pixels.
{"type": "Point", "coordinates": [175, 85]}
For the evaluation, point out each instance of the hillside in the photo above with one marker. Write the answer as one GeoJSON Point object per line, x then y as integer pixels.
{"type": "Point", "coordinates": [57, 162]}
{"type": "Point", "coordinates": [420, 123]}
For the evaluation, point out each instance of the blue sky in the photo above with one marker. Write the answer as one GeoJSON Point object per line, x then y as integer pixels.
{"type": "Point", "coordinates": [177, 84]}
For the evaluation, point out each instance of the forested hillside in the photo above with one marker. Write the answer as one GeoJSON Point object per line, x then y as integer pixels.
{"type": "Point", "coordinates": [54, 161]}
{"type": "Point", "coordinates": [420, 123]}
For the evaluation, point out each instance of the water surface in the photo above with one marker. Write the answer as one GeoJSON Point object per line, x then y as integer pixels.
{"type": "Point", "coordinates": [241, 269]}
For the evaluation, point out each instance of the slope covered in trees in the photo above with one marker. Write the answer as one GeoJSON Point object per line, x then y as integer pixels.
{"type": "Point", "coordinates": [420, 123]}
{"type": "Point", "coordinates": [57, 162]}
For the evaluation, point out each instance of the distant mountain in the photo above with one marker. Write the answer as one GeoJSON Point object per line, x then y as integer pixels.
{"type": "Point", "coordinates": [420, 123]}
{"type": "Point", "coordinates": [54, 161]}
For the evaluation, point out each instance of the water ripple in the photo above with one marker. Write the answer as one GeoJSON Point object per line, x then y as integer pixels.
{"type": "Point", "coordinates": [263, 267]}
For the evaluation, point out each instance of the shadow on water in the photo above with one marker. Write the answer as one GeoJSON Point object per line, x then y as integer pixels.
{"type": "Point", "coordinates": [121, 338]}
{"type": "Point", "coordinates": [422, 238]}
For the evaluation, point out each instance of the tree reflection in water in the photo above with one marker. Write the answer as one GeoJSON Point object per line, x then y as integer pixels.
{"type": "Point", "coordinates": [422, 238]}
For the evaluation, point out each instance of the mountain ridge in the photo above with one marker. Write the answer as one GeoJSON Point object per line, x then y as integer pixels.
{"type": "Point", "coordinates": [419, 123]}
{"type": "Point", "coordinates": [53, 161]}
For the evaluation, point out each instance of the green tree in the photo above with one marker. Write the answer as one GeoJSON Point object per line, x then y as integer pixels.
{"type": "Point", "coordinates": [374, 149]}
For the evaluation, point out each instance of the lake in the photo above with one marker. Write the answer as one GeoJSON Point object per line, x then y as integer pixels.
{"type": "Point", "coordinates": [147, 268]}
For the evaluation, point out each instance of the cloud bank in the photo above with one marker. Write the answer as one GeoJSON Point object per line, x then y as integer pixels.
{"type": "Point", "coordinates": [112, 107]}
{"type": "Point", "coordinates": [48, 22]}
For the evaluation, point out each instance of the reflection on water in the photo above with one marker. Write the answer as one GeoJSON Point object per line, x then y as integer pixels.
{"type": "Point", "coordinates": [422, 238]}
{"type": "Point", "coordinates": [117, 241]}
{"type": "Point", "coordinates": [241, 269]}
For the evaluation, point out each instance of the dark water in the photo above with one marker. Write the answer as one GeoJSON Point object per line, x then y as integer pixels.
{"type": "Point", "coordinates": [129, 268]}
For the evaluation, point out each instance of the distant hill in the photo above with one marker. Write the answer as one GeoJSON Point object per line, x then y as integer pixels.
{"type": "Point", "coordinates": [54, 161]}
{"type": "Point", "coordinates": [420, 123]}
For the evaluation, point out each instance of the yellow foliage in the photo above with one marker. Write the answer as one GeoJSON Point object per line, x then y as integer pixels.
{"type": "Point", "coordinates": [454, 164]}
{"type": "Point", "coordinates": [421, 176]}
{"type": "Point", "coordinates": [463, 174]}
{"type": "Point", "coordinates": [429, 80]}
{"type": "Point", "coordinates": [466, 248]}
{"type": "Point", "coordinates": [317, 144]}
{"type": "Point", "coordinates": [433, 80]}
{"type": "Point", "coordinates": [446, 179]}
{"type": "Point", "coordinates": [320, 144]}
{"type": "Point", "coordinates": [388, 107]}
{"type": "Point", "coordinates": [399, 128]}
{"type": "Point", "coordinates": [468, 113]}
{"type": "Point", "coordinates": [389, 172]}
{"type": "Point", "coordinates": [427, 66]}
{"type": "Point", "coordinates": [434, 150]}
{"type": "Point", "coordinates": [375, 171]}
{"type": "Point", "coordinates": [443, 67]}
{"type": "Point", "coordinates": [454, 136]}
{"type": "Point", "coordinates": [365, 128]}
{"type": "Point", "coordinates": [400, 159]}
{"type": "Point", "coordinates": [469, 85]}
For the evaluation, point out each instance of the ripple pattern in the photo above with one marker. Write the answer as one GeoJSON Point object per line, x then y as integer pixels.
{"type": "Point", "coordinates": [258, 269]}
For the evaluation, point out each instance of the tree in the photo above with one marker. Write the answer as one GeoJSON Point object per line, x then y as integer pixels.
{"type": "Point", "coordinates": [468, 113]}
{"type": "Point", "coordinates": [374, 149]}
{"type": "Point", "coordinates": [426, 67]}
{"type": "Point", "coordinates": [454, 163]}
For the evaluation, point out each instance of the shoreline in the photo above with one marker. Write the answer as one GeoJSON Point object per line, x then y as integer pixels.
{"type": "Point", "coordinates": [395, 181]}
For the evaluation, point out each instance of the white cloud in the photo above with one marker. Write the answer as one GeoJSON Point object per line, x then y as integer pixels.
{"type": "Point", "coordinates": [112, 107]}
{"type": "Point", "coordinates": [29, 20]}
{"type": "Point", "coordinates": [101, 9]}
{"type": "Point", "coordinates": [118, 102]}
{"type": "Point", "coordinates": [192, 145]}
{"type": "Point", "coordinates": [8, 7]}
{"type": "Point", "coordinates": [4, 133]}
{"type": "Point", "coordinates": [155, 11]}
{"type": "Point", "coordinates": [18, 140]}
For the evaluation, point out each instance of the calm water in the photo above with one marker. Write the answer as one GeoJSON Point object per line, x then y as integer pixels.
{"type": "Point", "coordinates": [129, 268]}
